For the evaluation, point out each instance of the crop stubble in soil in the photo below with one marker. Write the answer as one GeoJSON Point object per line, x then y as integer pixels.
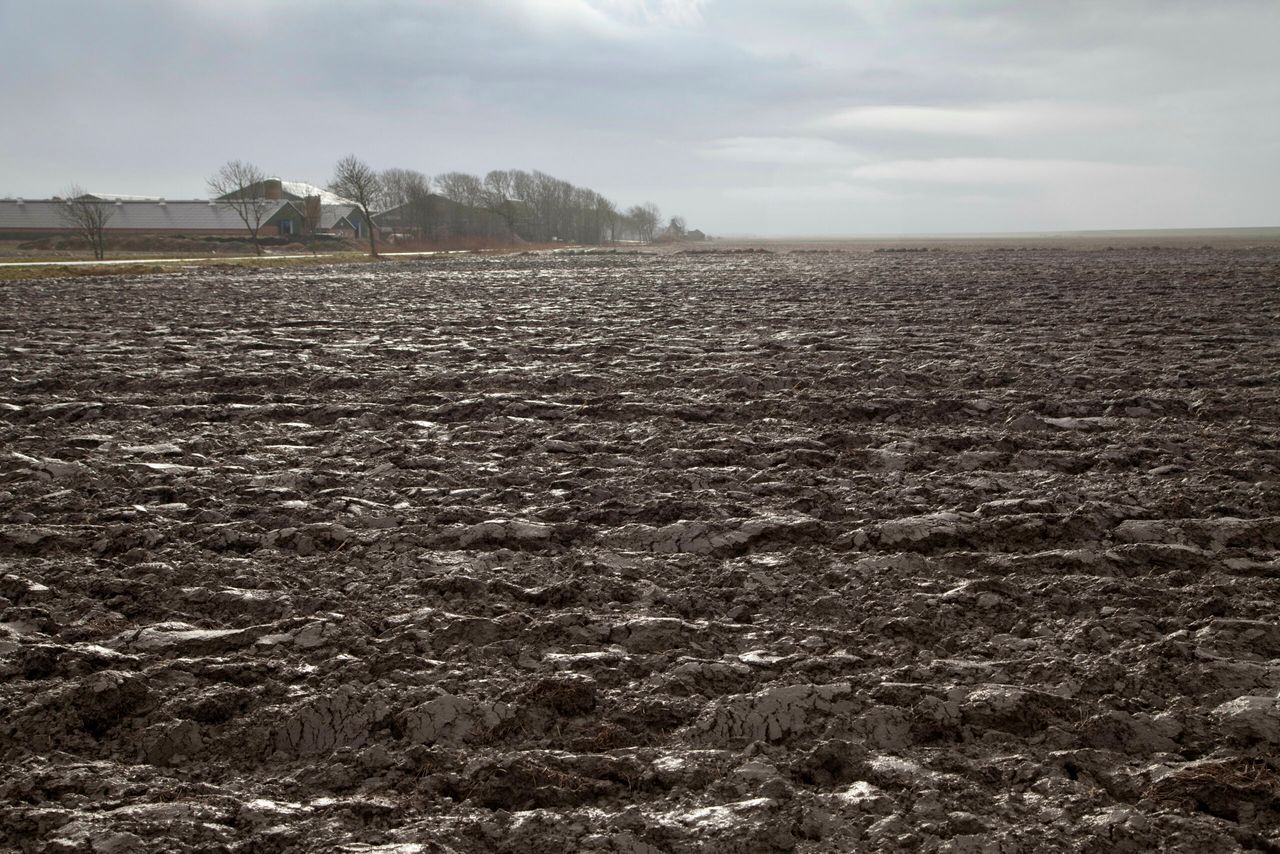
{"type": "Point", "coordinates": [947, 551]}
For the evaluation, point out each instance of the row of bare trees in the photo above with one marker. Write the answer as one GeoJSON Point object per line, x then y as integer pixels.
{"type": "Point", "coordinates": [539, 207]}
{"type": "Point", "coordinates": [504, 204]}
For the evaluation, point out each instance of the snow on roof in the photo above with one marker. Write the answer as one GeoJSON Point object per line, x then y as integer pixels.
{"type": "Point", "coordinates": [301, 189]}
{"type": "Point", "coordinates": [121, 197]}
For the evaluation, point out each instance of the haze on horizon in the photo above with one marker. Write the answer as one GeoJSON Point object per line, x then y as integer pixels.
{"type": "Point", "coordinates": [744, 116]}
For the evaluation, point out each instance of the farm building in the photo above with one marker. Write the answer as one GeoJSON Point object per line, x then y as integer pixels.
{"type": "Point", "coordinates": [289, 191]}
{"type": "Point", "coordinates": [22, 218]}
{"type": "Point", "coordinates": [341, 221]}
{"type": "Point", "coordinates": [434, 217]}
{"type": "Point", "coordinates": [324, 212]}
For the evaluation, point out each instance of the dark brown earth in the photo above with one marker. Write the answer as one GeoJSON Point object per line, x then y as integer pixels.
{"type": "Point", "coordinates": [932, 551]}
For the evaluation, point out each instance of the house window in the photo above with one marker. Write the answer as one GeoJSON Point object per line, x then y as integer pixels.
{"type": "Point", "coordinates": [286, 226]}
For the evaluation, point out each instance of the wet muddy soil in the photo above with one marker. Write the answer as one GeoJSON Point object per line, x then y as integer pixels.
{"type": "Point", "coordinates": [939, 551]}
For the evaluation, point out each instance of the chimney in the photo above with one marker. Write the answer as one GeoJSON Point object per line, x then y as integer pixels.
{"type": "Point", "coordinates": [311, 212]}
{"type": "Point", "coordinates": [271, 189]}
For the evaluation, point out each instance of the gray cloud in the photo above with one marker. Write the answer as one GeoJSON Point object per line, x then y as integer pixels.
{"type": "Point", "coordinates": [817, 116]}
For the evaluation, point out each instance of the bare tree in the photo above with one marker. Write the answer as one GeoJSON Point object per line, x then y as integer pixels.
{"type": "Point", "coordinates": [407, 192]}
{"type": "Point", "coordinates": [461, 188]}
{"type": "Point", "coordinates": [354, 179]}
{"type": "Point", "coordinates": [644, 219]}
{"type": "Point", "coordinates": [401, 186]}
{"type": "Point", "coordinates": [240, 185]}
{"type": "Point", "coordinates": [511, 204]}
{"type": "Point", "coordinates": [480, 205]}
{"type": "Point", "coordinates": [88, 216]}
{"type": "Point", "coordinates": [499, 197]}
{"type": "Point", "coordinates": [608, 213]}
{"type": "Point", "coordinates": [676, 227]}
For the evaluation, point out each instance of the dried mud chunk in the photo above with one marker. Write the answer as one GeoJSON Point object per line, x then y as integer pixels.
{"type": "Point", "coordinates": [177, 638]}
{"type": "Point", "coordinates": [107, 698]}
{"type": "Point", "coordinates": [928, 531]}
{"type": "Point", "coordinates": [693, 675]}
{"type": "Point", "coordinates": [547, 779]}
{"type": "Point", "coordinates": [505, 532]}
{"type": "Point", "coordinates": [341, 719]}
{"type": "Point", "coordinates": [1228, 532]}
{"type": "Point", "coordinates": [1126, 733]}
{"type": "Point", "coordinates": [1212, 534]}
{"type": "Point", "coordinates": [745, 827]}
{"type": "Point", "coordinates": [774, 714]}
{"type": "Point", "coordinates": [1146, 531]}
{"type": "Point", "coordinates": [693, 769]}
{"type": "Point", "coordinates": [698, 537]}
{"type": "Point", "coordinates": [168, 743]}
{"type": "Point", "coordinates": [262, 813]}
{"type": "Point", "coordinates": [565, 695]}
{"type": "Point", "coordinates": [217, 705]}
{"type": "Point", "coordinates": [35, 538]}
{"type": "Point", "coordinates": [1161, 557]}
{"type": "Point", "coordinates": [1015, 507]}
{"type": "Point", "coordinates": [451, 720]}
{"type": "Point", "coordinates": [1239, 790]}
{"type": "Point", "coordinates": [23, 591]}
{"type": "Point", "coordinates": [1251, 718]}
{"type": "Point", "coordinates": [653, 634]}
{"type": "Point", "coordinates": [1252, 638]}
{"type": "Point", "coordinates": [831, 763]}
{"type": "Point", "coordinates": [29, 619]}
{"type": "Point", "coordinates": [611, 658]}
{"type": "Point", "coordinates": [886, 728]}
{"type": "Point", "coordinates": [1011, 709]}
{"type": "Point", "coordinates": [474, 631]}
{"type": "Point", "coordinates": [314, 634]}
{"type": "Point", "coordinates": [190, 821]}
{"type": "Point", "coordinates": [22, 824]}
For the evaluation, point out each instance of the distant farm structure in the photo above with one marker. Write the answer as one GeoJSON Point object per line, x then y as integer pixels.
{"type": "Point", "coordinates": [26, 218]}
{"type": "Point", "coordinates": [397, 206]}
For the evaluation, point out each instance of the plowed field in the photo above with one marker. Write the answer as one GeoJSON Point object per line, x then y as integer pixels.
{"type": "Point", "coordinates": [962, 551]}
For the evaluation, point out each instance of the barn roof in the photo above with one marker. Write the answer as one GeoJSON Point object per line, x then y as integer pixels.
{"type": "Point", "coordinates": [300, 190]}
{"type": "Point", "coordinates": [174, 215]}
{"type": "Point", "coordinates": [120, 197]}
{"type": "Point", "coordinates": [332, 215]}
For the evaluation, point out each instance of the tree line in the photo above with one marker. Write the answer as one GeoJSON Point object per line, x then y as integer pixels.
{"type": "Point", "coordinates": [504, 204]}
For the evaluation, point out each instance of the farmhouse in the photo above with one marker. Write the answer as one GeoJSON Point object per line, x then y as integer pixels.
{"type": "Point", "coordinates": [325, 212]}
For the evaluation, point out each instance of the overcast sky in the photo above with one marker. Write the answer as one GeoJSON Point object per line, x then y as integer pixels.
{"type": "Point", "coordinates": [746, 116]}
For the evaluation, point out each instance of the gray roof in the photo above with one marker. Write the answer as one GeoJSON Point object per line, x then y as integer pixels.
{"type": "Point", "coordinates": [120, 197]}
{"type": "Point", "coordinates": [331, 216]}
{"type": "Point", "coordinates": [179, 215]}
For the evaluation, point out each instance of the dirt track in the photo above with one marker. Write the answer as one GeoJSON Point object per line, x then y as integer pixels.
{"type": "Point", "coordinates": [938, 551]}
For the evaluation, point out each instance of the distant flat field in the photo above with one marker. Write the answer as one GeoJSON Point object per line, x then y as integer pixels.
{"type": "Point", "coordinates": [1128, 239]}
